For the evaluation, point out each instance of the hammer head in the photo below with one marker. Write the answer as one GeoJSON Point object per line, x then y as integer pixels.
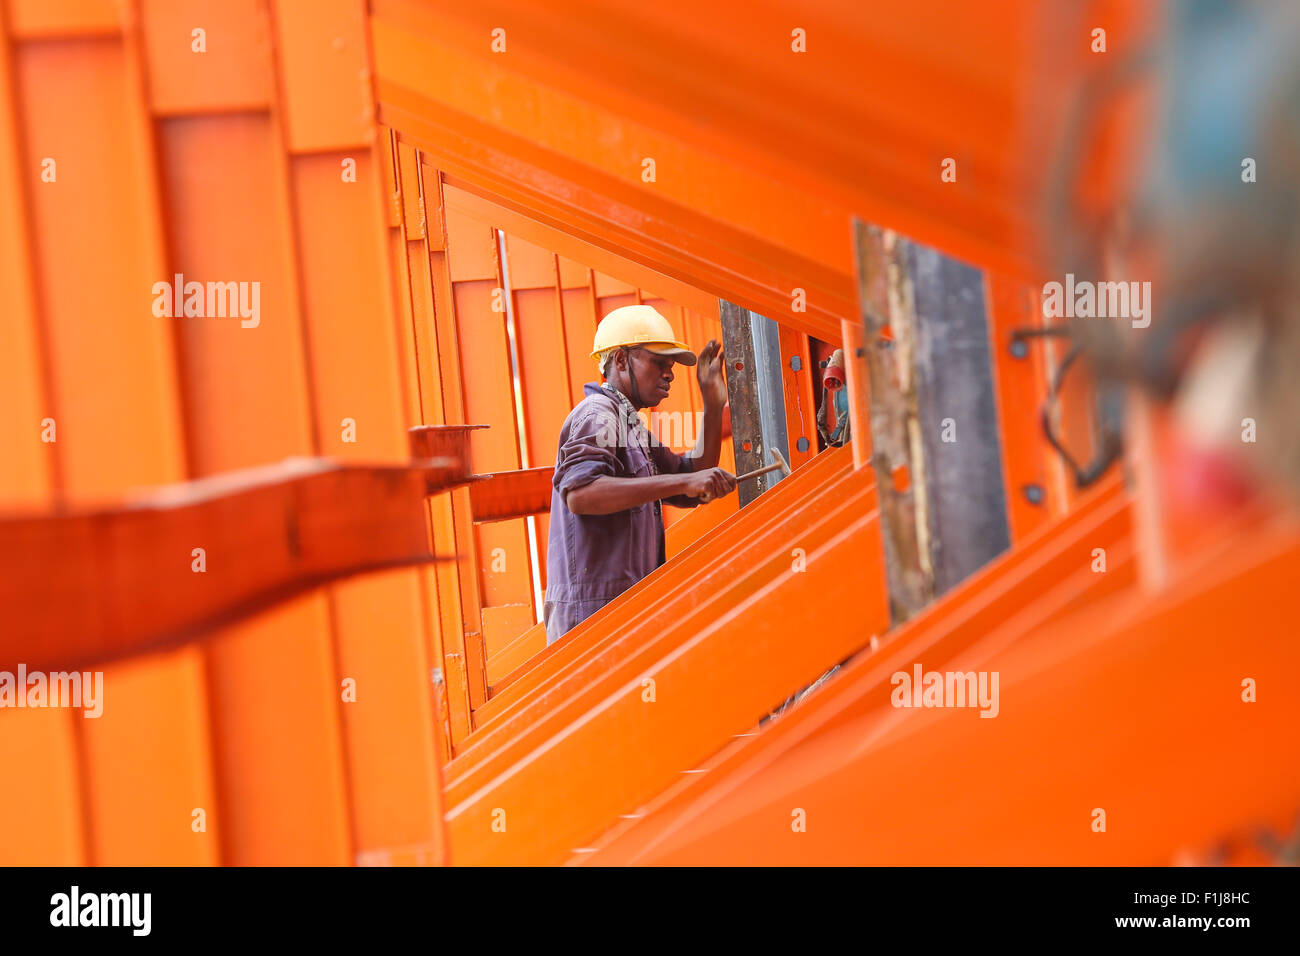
{"type": "Point", "coordinates": [780, 460]}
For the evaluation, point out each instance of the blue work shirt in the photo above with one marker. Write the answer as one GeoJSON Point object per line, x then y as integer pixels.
{"type": "Point", "coordinates": [592, 559]}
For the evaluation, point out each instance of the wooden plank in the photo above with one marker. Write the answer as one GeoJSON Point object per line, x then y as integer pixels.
{"type": "Point", "coordinates": [742, 390]}
{"type": "Point", "coordinates": [889, 331]}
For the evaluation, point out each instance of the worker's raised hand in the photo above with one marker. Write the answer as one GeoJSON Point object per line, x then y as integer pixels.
{"type": "Point", "coordinates": [708, 369]}
{"type": "Point", "coordinates": [710, 483]}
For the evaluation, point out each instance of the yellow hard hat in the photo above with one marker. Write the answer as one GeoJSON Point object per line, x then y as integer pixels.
{"type": "Point", "coordinates": [643, 326]}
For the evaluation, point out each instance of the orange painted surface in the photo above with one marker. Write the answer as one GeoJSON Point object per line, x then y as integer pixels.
{"type": "Point", "coordinates": [226, 67]}
{"type": "Point", "coordinates": [1020, 384]}
{"type": "Point", "coordinates": [363, 163]}
{"type": "Point", "coordinates": [141, 399]}
{"type": "Point", "coordinates": [110, 388]}
{"type": "Point", "coordinates": [555, 304]}
{"type": "Point", "coordinates": [1139, 661]}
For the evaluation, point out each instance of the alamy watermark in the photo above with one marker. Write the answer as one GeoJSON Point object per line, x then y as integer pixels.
{"type": "Point", "coordinates": [84, 689]}
{"type": "Point", "coordinates": [1083, 299]}
{"type": "Point", "coordinates": [75, 908]}
{"type": "Point", "coordinates": [209, 300]}
{"type": "Point", "coordinates": [675, 430]}
{"type": "Point", "coordinates": [923, 688]}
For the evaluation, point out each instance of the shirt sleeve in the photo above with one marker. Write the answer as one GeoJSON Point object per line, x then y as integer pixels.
{"type": "Point", "coordinates": [587, 452]}
{"type": "Point", "coordinates": [671, 463]}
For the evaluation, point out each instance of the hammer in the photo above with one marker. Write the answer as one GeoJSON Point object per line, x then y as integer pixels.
{"type": "Point", "coordinates": [780, 463]}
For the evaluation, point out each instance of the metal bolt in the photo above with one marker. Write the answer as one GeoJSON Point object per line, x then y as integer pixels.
{"type": "Point", "coordinates": [802, 444]}
{"type": "Point", "coordinates": [860, 352]}
{"type": "Point", "coordinates": [796, 363]}
{"type": "Point", "coordinates": [1019, 348]}
{"type": "Point", "coordinates": [1034, 494]}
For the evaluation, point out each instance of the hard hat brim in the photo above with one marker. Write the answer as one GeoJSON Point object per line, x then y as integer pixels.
{"type": "Point", "coordinates": [683, 355]}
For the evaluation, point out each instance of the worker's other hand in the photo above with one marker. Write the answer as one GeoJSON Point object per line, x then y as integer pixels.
{"type": "Point", "coordinates": [708, 370]}
{"type": "Point", "coordinates": [711, 483]}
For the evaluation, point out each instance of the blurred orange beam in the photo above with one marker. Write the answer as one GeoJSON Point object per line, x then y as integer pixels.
{"type": "Point", "coordinates": [1035, 485]}
{"type": "Point", "coordinates": [763, 152]}
{"type": "Point", "coordinates": [677, 672]}
{"type": "Point", "coordinates": [183, 559]}
{"type": "Point", "coordinates": [1025, 590]}
{"type": "Point", "coordinates": [1132, 706]}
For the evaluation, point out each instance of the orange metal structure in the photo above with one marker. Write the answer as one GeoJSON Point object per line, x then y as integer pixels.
{"type": "Point", "coordinates": [435, 203]}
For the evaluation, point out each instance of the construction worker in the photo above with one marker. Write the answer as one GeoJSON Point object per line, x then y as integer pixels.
{"type": "Point", "coordinates": [607, 529]}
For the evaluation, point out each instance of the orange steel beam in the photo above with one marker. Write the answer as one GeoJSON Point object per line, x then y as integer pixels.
{"type": "Point", "coordinates": [380, 627]}
{"type": "Point", "coordinates": [132, 580]}
{"type": "Point", "coordinates": [559, 117]}
{"type": "Point", "coordinates": [511, 494]}
{"type": "Point", "coordinates": [513, 223]}
{"type": "Point", "coordinates": [675, 241]}
{"type": "Point", "coordinates": [110, 385]}
{"type": "Point", "coordinates": [567, 656]}
{"type": "Point", "coordinates": [432, 350]}
{"type": "Point", "coordinates": [1026, 590]}
{"type": "Point", "coordinates": [438, 589]}
{"type": "Point", "coordinates": [692, 671]}
{"type": "Point", "coordinates": [516, 654]}
{"type": "Point", "coordinates": [633, 636]}
{"type": "Point", "coordinates": [1132, 706]}
{"type": "Point", "coordinates": [517, 658]}
{"type": "Point", "coordinates": [697, 522]}
{"type": "Point", "coordinates": [800, 397]}
{"type": "Point", "coordinates": [1032, 476]}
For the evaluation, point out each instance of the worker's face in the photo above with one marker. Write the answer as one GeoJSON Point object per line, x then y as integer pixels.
{"type": "Point", "coordinates": [653, 375]}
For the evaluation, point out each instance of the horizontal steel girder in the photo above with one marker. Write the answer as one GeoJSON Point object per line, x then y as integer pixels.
{"type": "Point", "coordinates": [718, 659]}
{"type": "Point", "coordinates": [170, 565]}
{"type": "Point", "coordinates": [762, 155]}
{"type": "Point", "coordinates": [1133, 706]}
{"type": "Point", "coordinates": [1019, 594]}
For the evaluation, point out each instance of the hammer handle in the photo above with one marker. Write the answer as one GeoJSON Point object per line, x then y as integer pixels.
{"type": "Point", "coordinates": [758, 471]}
{"type": "Point", "coordinates": [706, 498]}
